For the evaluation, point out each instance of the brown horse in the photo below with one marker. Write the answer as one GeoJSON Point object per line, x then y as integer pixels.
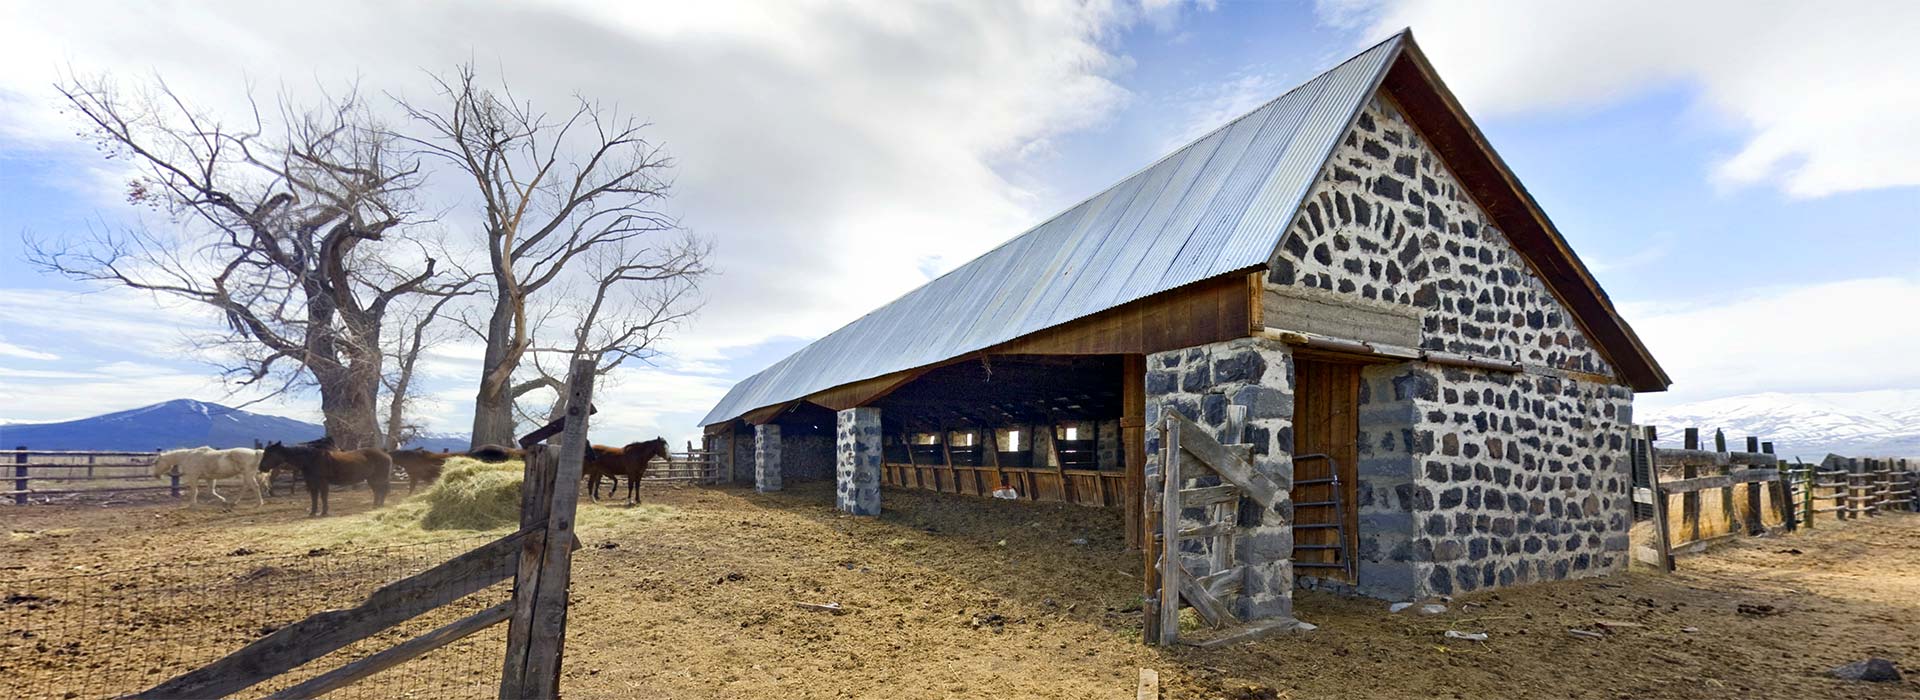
{"type": "Point", "coordinates": [603, 461]}
{"type": "Point", "coordinates": [628, 462]}
{"type": "Point", "coordinates": [323, 468]}
{"type": "Point", "coordinates": [422, 466]}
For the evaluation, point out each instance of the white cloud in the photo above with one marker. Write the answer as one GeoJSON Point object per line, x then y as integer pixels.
{"type": "Point", "coordinates": [49, 396]}
{"type": "Point", "coordinates": [10, 350]}
{"type": "Point", "coordinates": [835, 154]}
{"type": "Point", "coordinates": [1823, 92]}
{"type": "Point", "coordinates": [1208, 106]}
{"type": "Point", "coordinates": [1845, 336]}
{"type": "Point", "coordinates": [114, 319]}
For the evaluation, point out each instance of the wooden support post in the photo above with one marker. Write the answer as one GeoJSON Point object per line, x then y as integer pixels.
{"type": "Point", "coordinates": [1755, 523]}
{"type": "Point", "coordinates": [946, 451]}
{"type": "Point", "coordinates": [1133, 442]}
{"type": "Point", "coordinates": [990, 453]}
{"type": "Point", "coordinates": [1170, 535]}
{"type": "Point", "coordinates": [1690, 503]}
{"type": "Point", "coordinates": [1099, 476]}
{"type": "Point", "coordinates": [1059, 468]}
{"type": "Point", "coordinates": [20, 477]}
{"type": "Point", "coordinates": [1806, 498]}
{"type": "Point", "coordinates": [1783, 493]}
{"type": "Point", "coordinates": [1661, 539]}
{"type": "Point", "coordinates": [537, 632]}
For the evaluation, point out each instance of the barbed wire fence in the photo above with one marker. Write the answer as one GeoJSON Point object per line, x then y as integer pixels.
{"type": "Point", "coordinates": [105, 634]}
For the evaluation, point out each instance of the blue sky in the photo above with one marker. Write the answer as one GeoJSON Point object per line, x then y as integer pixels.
{"type": "Point", "coordinates": [1745, 188]}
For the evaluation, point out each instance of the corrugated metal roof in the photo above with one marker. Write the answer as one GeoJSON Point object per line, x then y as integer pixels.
{"type": "Point", "coordinates": [1218, 205]}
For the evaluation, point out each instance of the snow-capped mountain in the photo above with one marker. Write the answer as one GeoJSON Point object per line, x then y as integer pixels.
{"type": "Point", "coordinates": [1859, 424]}
{"type": "Point", "coordinates": [176, 423]}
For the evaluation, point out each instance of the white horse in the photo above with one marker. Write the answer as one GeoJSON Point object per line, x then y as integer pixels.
{"type": "Point", "coordinates": [205, 464]}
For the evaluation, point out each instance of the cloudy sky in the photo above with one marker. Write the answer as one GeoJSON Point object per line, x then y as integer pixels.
{"type": "Point", "coordinates": [1741, 176]}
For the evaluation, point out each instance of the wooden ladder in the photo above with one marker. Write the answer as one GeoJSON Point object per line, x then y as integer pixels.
{"type": "Point", "coordinates": [1341, 557]}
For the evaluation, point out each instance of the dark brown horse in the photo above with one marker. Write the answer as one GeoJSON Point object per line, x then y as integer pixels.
{"type": "Point", "coordinates": [323, 468]}
{"type": "Point", "coordinates": [628, 462]}
{"type": "Point", "coordinates": [422, 466]}
{"type": "Point", "coordinates": [603, 461]}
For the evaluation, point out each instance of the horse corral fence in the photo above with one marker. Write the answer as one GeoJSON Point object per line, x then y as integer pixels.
{"type": "Point", "coordinates": [53, 476]}
{"type": "Point", "coordinates": [49, 475]}
{"type": "Point", "coordinates": [1689, 498]}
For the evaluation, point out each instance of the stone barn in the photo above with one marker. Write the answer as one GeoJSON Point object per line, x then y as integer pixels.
{"type": "Point", "coordinates": [1348, 280]}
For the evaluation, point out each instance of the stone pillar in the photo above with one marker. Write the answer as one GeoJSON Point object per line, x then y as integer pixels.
{"type": "Point", "coordinates": [1200, 383]}
{"type": "Point", "coordinates": [766, 458]}
{"type": "Point", "coordinates": [857, 465]}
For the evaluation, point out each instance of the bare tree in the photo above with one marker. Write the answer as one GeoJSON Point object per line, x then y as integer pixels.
{"type": "Point", "coordinates": [551, 192]}
{"type": "Point", "coordinates": [418, 329]}
{"type": "Point", "coordinates": [296, 231]}
{"type": "Point", "coordinates": [633, 295]}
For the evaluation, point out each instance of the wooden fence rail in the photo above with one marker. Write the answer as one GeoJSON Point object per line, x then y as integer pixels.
{"type": "Point", "coordinates": [1751, 492]}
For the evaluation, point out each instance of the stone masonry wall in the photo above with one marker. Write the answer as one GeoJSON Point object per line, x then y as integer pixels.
{"type": "Point", "coordinates": [1523, 477]}
{"type": "Point", "coordinates": [737, 444]}
{"type": "Point", "coordinates": [806, 455]}
{"type": "Point", "coordinates": [1388, 222]}
{"type": "Point", "coordinates": [1200, 383]}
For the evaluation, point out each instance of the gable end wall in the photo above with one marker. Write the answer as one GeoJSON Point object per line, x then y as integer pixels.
{"type": "Point", "coordinates": [1469, 479]}
{"type": "Point", "coordinates": [1388, 223]}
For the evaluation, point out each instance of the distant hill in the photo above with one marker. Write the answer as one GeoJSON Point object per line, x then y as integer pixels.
{"type": "Point", "coordinates": [177, 423]}
{"type": "Point", "coordinates": [1868, 424]}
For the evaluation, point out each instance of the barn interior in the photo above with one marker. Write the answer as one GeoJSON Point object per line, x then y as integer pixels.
{"type": "Point", "coordinates": [1034, 427]}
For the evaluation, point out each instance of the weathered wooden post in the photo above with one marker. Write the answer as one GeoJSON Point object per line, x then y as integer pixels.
{"type": "Point", "coordinates": [1783, 493]}
{"type": "Point", "coordinates": [1756, 523]}
{"type": "Point", "coordinates": [173, 477]}
{"type": "Point", "coordinates": [20, 476]}
{"type": "Point", "coordinates": [537, 629]}
{"type": "Point", "coordinates": [1662, 541]}
{"type": "Point", "coordinates": [1690, 503]}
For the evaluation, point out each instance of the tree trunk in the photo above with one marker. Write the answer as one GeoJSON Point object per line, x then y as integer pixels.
{"type": "Point", "coordinates": [493, 405]}
{"type": "Point", "coordinates": [347, 401]}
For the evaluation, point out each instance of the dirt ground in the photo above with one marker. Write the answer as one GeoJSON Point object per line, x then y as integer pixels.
{"type": "Point", "coordinates": [943, 597]}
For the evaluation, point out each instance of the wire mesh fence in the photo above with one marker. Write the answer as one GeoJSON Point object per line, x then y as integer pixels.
{"type": "Point", "coordinates": [105, 634]}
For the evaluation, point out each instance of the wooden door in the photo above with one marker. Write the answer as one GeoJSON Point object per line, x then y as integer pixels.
{"type": "Point", "coordinates": [1325, 422]}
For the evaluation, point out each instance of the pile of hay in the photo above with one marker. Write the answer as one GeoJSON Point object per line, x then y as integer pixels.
{"type": "Point", "coordinates": [470, 495]}
{"type": "Point", "coordinates": [475, 495]}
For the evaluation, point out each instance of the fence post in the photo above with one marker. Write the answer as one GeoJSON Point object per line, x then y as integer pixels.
{"type": "Point", "coordinates": [1783, 498]}
{"type": "Point", "coordinates": [1756, 522]}
{"type": "Point", "coordinates": [20, 476]}
{"type": "Point", "coordinates": [1690, 503]}
{"type": "Point", "coordinates": [1662, 540]}
{"type": "Point", "coordinates": [174, 477]}
{"type": "Point", "coordinates": [537, 629]}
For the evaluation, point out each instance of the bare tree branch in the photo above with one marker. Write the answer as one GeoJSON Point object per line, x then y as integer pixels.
{"type": "Point", "coordinates": [554, 192]}
{"type": "Point", "coordinates": [278, 233]}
